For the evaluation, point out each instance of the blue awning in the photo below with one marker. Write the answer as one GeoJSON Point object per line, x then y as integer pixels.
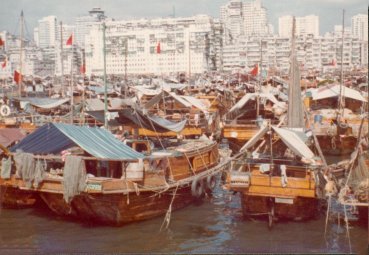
{"type": "Point", "coordinates": [53, 138]}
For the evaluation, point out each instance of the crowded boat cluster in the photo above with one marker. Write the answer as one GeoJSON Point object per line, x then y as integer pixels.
{"type": "Point", "coordinates": [120, 149]}
{"type": "Point", "coordinates": [144, 146]}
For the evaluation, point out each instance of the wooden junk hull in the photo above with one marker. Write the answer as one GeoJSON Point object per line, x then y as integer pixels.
{"type": "Point", "coordinates": [298, 208]}
{"type": "Point", "coordinates": [119, 209]}
{"type": "Point", "coordinates": [239, 134]}
{"type": "Point", "coordinates": [263, 194]}
{"type": "Point", "coordinates": [13, 197]}
{"type": "Point", "coordinates": [337, 145]}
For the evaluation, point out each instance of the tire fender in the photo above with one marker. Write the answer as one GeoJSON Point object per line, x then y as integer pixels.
{"type": "Point", "coordinates": [197, 188]}
{"type": "Point", "coordinates": [5, 110]}
{"type": "Point", "coordinates": [210, 182]}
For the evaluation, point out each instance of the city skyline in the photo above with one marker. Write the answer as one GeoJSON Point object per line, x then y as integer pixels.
{"type": "Point", "coordinates": [69, 10]}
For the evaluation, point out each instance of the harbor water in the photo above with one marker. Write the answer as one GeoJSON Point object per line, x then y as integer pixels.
{"type": "Point", "coordinates": [215, 226]}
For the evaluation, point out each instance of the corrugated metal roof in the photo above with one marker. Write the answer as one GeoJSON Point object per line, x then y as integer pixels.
{"type": "Point", "coordinates": [56, 137]}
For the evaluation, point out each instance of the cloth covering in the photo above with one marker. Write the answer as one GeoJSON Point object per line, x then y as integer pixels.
{"type": "Point", "coordinates": [6, 166]}
{"type": "Point", "coordinates": [25, 165]}
{"type": "Point", "coordinates": [74, 177]}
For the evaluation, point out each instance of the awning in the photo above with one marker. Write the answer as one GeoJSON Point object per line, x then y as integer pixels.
{"type": "Point", "coordinates": [46, 103]}
{"type": "Point", "coordinates": [153, 123]}
{"type": "Point", "coordinates": [243, 101]}
{"type": "Point", "coordinates": [53, 138]}
{"type": "Point", "coordinates": [99, 116]}
{"type": "Point", "coordinates": [94, 104]}
{"type": "Point", "coordinates": [294, 142]}
{"type": "Point", "coordinates": [334, 91]}
{"type": "Point", "coordinates": [9, 136]}
{"type": "Point", "coordinates": [255, 138]}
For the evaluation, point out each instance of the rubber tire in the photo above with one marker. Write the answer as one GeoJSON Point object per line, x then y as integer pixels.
{"type": "Point", "coordinates": [197, 188]}
{"type": "Point", "coordinates": [5, 110]}
{"type": "Point", "coordinates": [211, 182]}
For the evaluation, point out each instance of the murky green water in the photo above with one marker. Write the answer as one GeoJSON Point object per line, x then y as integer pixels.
{"type": "Point", "coordinates": [215, 226]}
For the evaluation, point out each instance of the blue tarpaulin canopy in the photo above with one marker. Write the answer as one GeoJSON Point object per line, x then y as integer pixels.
{"type": "Point", "coordinates": [53, 138]}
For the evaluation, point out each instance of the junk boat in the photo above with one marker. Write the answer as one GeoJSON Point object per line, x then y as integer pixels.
{"type": "Point", "coordinates": [87, 173]}
{"type": "Point", "coordinates": [277, 178]}
{"type": "Point", "coordinates": [275, 171]}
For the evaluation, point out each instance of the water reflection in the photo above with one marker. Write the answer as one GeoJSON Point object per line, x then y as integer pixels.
{"type": "Point", "coordinates": [215, 226]}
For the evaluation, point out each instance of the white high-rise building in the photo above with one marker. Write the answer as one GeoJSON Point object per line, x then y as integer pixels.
{"type": "Point", "coordinates": [255, 19]}
{"type": "Point", "coordinates": [85, 23]}
{"type": "Point", "coordinates": [359, 26]}
{"type": "Point", "coordinates": [45, 33]}
{"type": "Point", "coordinates": [304, 25]}
{"type": "Point", "coordinates": [244, 18]}
{"type": "Point", "coordinates": [188, 45]}
{"type": "Point", "coordinates": [232, 18]}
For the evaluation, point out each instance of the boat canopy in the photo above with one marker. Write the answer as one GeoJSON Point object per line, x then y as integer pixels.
{"type": "Point", "coordinates": [251, 96]}
{"type": "Point", "coordinates": [334, 91]}
{"type": "Point", "coordinates": [150, 122]}
{"type": "Point", "coordinates": [262, 131]}
{"type": "Point", "coordinates": [53, 138]}
{"type": "Point", "coordinates": [10, 135]}
{"type": "Point", "coordinates": [45, 103]}
{"type": "Point", "coordinates": [293, 138]}
{"type": "Point", "coordinates": [94, 104]}
{"type": "Point", "coordinates": [186, 101]}
{"type": "Point", "coordinates": [293, 141]}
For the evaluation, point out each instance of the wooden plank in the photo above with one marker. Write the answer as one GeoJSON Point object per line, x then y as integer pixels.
{"type": "Point", "coordinates": [280, 191]}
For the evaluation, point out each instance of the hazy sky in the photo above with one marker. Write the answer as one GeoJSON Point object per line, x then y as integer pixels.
{"type": "Point", "coordinates": [329, 11]}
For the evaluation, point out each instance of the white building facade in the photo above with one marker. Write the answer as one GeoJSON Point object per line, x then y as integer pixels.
{"type": "Point", "coordinates": [359, 26]}
{"type": "Point", "coordinates": [46, 32]}
{"type": "Point", "coordinates": [307, 25]}
{"type": "Point", "coordinates": [189, 45]}
{"type": "Point", "coordinates": [241, 18]}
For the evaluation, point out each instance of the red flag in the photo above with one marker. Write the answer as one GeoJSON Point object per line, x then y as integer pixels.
{"type": "Point", "coordinates": [17, 77]}
{"type": "Point", "coordinates": [1, 42]}
{"type": "Point", "coordinates": [158, 48]}
{"type": "Point", "coordinates": [70, 40]}
{"type": "Point", "coordinates": [3, 65]}
{"type": "Point", "coordinates": [333, 63]}
{"type": "Point", "coordinates": [82, 69]}
{"type": "Point", "coordinates": [255, 70]}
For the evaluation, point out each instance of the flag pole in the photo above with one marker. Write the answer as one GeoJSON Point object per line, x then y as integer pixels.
{"type": "Point", "coordinates": [21, 55]}
{"type": "Point", "coordinates": [61, 59]}
{"type": "Point", "coordinates": [105, 85]}
{"type": "Point", "coordinates": [71, 84]}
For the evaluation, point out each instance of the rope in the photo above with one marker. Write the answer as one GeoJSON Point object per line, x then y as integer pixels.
{"type": "Point", "coordinates": [347, 228]}
{"type": "Point", "coordinates": [326, 218]}
{"type": "Point", "coordinates": [169, 212]}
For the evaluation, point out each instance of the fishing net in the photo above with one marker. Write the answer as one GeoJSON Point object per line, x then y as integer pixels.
{"type": "Point", "coordinates": [359, 180]}
{"type": "Point", "coordinates": [74, 177]}
{"type": "Point", "coordinates": [25, 165]}
{"type": "Point", "coordinates": [39, 173]}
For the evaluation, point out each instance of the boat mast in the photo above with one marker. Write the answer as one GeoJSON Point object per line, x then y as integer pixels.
{"type": "Point", "coordinates": [125, 68]}
{"type": "Point", "coordinates": [105, 85]}
{"type": "Point", "coordinates": [341, 100]}
{"type": "Point", "coordinates": [295, 110]}
{"type": "Point", "coordinates": [61, 58]}
{"type": "Point", "coordinates": [21, 55]}
{"type": "Point", "coordinates": [260, 80]}
{"type": "Point", "coordinates": [71, 83]}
